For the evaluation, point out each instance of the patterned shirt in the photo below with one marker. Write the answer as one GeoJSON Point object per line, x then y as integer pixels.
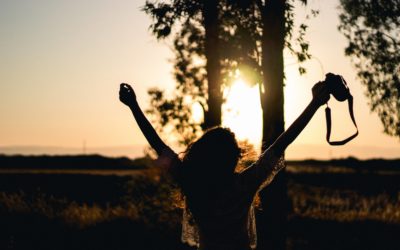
{"type": "Point", "coordinates": [229, 222]}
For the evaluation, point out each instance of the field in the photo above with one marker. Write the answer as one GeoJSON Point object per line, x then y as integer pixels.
{"type": "Point", "coordinates": [333, 207]}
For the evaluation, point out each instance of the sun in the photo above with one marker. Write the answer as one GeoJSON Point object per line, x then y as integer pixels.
{"type": "Point", "coordinates": [242, 112]}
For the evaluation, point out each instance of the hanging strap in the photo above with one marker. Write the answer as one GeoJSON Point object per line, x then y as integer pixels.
{"type": "Point", "coordinates": [329, 124]}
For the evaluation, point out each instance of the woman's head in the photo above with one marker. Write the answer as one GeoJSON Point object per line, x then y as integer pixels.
{"type": "Point", "coordinates": [215, 153]}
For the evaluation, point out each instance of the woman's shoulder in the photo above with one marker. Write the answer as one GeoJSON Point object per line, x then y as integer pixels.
{"type": "Point", "coordinates": [169, 161]}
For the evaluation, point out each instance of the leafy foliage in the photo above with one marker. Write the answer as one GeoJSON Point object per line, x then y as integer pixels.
{"type": "Point", "coordinates": [174, 113]}
{"type": "Point", "coordinates": [301, 53]}
{"type": "Point", "coordinates": [240, 39]}
{"type": "Point", "coordinates": [373, 32]}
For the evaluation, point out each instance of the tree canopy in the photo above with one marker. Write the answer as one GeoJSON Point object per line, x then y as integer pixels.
{"type": "Point", "coordinates": [372, 28]}
{"type": "Point", "coordinates": [240, 46]}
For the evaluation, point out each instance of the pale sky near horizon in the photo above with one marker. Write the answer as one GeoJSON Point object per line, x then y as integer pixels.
{"type": "Point", "coordinates": [61, 63]}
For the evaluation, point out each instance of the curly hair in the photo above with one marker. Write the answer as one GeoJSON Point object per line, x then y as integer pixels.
{"type": "Point", "coordinates": [213, 157]}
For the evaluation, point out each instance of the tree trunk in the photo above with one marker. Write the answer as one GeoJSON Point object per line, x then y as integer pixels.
{"type": "Point", "coordinates": [212, 116]}
{"type": "Point", "coordinates": [272, 220]}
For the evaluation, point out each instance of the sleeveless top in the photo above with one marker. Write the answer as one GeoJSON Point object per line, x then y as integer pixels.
{"type": "Point", "coordinates": [230, 222]}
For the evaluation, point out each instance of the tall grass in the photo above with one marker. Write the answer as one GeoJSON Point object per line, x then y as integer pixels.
{"type": "Point", "coordinates": [343, 205]}
{"type": "Point", "coordinates": [150, 200]}
{"type": "Point", "coordinates": [147, 199]}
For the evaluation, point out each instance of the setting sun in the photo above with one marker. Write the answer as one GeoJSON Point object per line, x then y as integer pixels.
{"type": "Point", "coordinates": [242, 112]}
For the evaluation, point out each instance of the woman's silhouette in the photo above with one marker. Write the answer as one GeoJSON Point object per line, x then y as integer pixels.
{"type": "Point", "coordinates": [219, 199]}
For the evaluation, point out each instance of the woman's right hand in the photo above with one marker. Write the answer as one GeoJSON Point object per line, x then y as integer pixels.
{"type": "Point", "coordinates": [126, 94]}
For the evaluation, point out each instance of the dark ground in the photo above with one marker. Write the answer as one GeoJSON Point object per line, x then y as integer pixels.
{"type": "Point", "coordinates": [330, 210]}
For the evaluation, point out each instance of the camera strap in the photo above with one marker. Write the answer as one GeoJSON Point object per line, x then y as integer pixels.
{"type": "Point", "coordinates": [329, 124]}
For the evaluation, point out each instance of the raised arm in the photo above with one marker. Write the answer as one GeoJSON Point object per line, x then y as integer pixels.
{"type": "Point", "coordinates": [320, 97]}
{"type": "Point", "coordinates": [262, 172]}
{"type": "Point", "coordinates": [128, 97]}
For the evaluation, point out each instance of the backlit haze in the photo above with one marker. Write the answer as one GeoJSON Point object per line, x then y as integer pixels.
{"type": "Point", "coordinates": [61, 63]}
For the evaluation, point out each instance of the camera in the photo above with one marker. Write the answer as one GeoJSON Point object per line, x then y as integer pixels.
{"type": "Point", "coordinates": [337, 87]}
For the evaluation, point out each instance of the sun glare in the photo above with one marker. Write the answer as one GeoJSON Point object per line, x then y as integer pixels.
{"type": "Point", "coordinates": [197, 112]}
{"type": "Point", "coordinates": [242, 112]}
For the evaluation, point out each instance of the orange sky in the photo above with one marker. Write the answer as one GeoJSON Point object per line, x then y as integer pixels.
{"type": "Point", "coordinates": [61, 63]}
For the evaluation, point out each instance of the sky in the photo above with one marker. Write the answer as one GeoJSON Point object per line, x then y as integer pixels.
{"type": "Point", "coordinates": [61, 63]}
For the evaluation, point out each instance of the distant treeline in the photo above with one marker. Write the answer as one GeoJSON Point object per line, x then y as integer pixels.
{"type": "Point", "coordinates": [102, 162]}
{"type": "Point", "coordinates": [353, 163]}
{"type": "Point", "coordinates": [72, 162]}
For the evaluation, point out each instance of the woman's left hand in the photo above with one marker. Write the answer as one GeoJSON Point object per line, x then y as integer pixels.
{"type": "Point", "coordinates": [320, 93]}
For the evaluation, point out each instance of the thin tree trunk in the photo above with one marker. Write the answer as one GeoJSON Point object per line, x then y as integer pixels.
{"type": "Point", "coordinates": [212, 116]}
{"type": "Point", "coordinates": [273, 218]}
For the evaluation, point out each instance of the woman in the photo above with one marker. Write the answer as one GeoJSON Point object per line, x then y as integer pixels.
{"type": "Point", "coordinates": [219, 199]}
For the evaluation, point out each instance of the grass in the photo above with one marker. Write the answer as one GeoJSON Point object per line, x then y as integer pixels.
{"type": "Point", "coordinates": [343, 205]}
{"type": "Point", "coordinates": [337, 210]}
{"type": "Point", "coordinates": [141, 215]}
